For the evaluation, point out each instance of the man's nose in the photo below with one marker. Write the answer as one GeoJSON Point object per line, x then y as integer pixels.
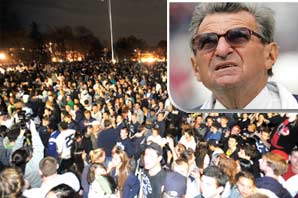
{"type": "Point", "coordinates": [223, 48]}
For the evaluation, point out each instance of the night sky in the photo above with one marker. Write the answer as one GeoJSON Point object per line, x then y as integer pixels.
{"type": "Point", "coordinates": [145, 19]}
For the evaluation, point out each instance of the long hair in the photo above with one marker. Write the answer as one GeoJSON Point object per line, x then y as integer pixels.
{"type": "Point", "coordinates": [91, 172]}
{"type": "Point", "coordinates": [228, 166]}
{"type": "Point", "coordinates": [201, 152]}
{"type": "Point", "coordinates": [124, 169]}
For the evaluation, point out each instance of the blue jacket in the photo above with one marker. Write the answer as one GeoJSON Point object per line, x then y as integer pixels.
{"type": "Point", "coordinates": [107, 140]}
{"type": "Point", "coordinates": [273, 185]}
{"type": "Point", "coordinates": [213, 136]}
{"type": "Point", "coordinates": [131, 187]}
{"type": "Point", "coordinates": [128, 146]}
{"type": "Point", "coordinates": [52, 147]}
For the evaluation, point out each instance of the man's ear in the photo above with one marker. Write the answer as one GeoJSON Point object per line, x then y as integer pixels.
{"type": "Point", "coordinates": [271, 54]}
{"type": "Point", "coordinates": [196, 68]}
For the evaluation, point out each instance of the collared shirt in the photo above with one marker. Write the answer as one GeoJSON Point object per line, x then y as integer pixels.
{"type": "Point", "coordinates": [272, 96]}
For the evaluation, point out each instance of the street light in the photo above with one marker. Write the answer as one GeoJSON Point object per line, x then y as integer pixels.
{"type": "Point", "coordinates": [111, 29]}
{"type": "Point", "coordinates": [2, 56]}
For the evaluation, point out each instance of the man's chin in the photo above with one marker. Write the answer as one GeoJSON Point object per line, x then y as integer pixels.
{"type": "Point", "coordinates": [226, 84]}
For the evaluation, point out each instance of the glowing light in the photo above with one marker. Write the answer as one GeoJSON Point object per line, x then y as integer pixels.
{"type": "Point", "coordinates": [113, 61]}
{"type": "Point", "coordinates": [61, 61]}
{"type": "Point", "coordinates": [2, 56]}
{"type": "Point", "coordinates": [54, 59]}
{"type": "Point", "coordinates": [74, 56]}
{"type": "Point", "coordinates": [148, 59]}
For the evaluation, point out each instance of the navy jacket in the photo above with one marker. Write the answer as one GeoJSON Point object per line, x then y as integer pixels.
{"type": "Point", "coordinates": [107, 140]}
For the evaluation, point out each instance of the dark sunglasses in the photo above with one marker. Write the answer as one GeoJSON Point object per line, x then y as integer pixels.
{"type": "Point", "coordinates": [236, 37]}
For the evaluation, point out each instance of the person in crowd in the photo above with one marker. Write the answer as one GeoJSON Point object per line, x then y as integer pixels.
{"type": "Point", "coordinates": [156, 138]}
{"type": "Point", "coordinates": [50, 178]}
{"type": "Point", "coordinates": [107, 139]}
{"type": "Point", "coordinates": [139, 112]}
{"type": "Point", "coordinates": [152, 182]}
{"type": "Point", "coordinates": [261, 121]}
{"type": "Point", "coordinates": [96, 156]}
{"type": "Point", "coordinates": [10, 142]}
{"type": "Point", "coordinates": [151, 115]}
{"type": "Point", "coordinates": [213, 182]}
{"type": "Point", "coordinates": [215, 149]}
{"type": "Point", "coordinates": [248, 132]}
{"type": "Point", "coordinates": [202, 156]}
{"type": "Point", "coordinates": [121, 168]}
{"type": "Point", "coordinates": [188, 139]}
{"type": "Point", "coordinates": [245, 185]}
{"type": "Point", "coordinates": [100, 184]}
{"type": "Point", "coordinates": [273, 165]}
{"type": "Point", "coordinates": [229, 167]}
{"type": "Point", "coordinates": [86, 121]}
{"type": "Point", "coordinates": [243, 121]}
{"type": "Point", "coordinates": [64, 143]}
{"type": "Point", "coordinates": [43, 131]}
{"type": "Point", "coordinates": [96, 113]}
{"type": "Point", "coordinates": [224, 121]}
{"type": "Point", "coordinates": [11, 183]}
{"type": "Point", "coordinates": [134, 124]}
{"type": "Point", "coordinates": [262, 140]}
{"type": "Point", "coordinates": [62, 191]}
{"type": "Point", "coordinates": [161, 123]}
{"type": "Point", "coordinates": [79, 116]}
{"type": "Point", "coordinates": [28, 158]}
{"type": "Point", "coordinates": [232, 148]}
{"type": "Point", "coordinates": [5, 119]}
{"type": "Point", "coordinates": [199, 127]}
{"type": "Point", "coordinates": [292, 165]}
{"type": "Point", "coordinates": [176, 180]}
{"type": "Point", "coordinates": [248, 159]}
{"type": "Point", "coordinates": [125, 142]}
{"type": "Point", "coordinates": [214, 133]}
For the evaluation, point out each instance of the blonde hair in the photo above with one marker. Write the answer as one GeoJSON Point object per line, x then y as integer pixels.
{"type": "Point", "coordinates": [278, 164]}
{"type": "Point", "coordinates": [97, 155]}
{"type": "Point", "coordinates": [48, 166]}
{"type": "Point", "coordinates": [11, 183]}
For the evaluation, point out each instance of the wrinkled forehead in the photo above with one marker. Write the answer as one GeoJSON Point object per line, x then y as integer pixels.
{"type": "Point", "coordinates": [221, 22]}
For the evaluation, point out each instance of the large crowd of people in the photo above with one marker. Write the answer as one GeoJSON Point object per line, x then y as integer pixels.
{"type": "Point", "coordinates": [96, 129]}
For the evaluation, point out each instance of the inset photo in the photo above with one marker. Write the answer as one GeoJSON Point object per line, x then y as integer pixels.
{"type": "Point", "coordinates": [233, 56]}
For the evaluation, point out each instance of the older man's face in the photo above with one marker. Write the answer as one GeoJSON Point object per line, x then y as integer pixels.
{"type": "Point", "coordinates": [227, 66]}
